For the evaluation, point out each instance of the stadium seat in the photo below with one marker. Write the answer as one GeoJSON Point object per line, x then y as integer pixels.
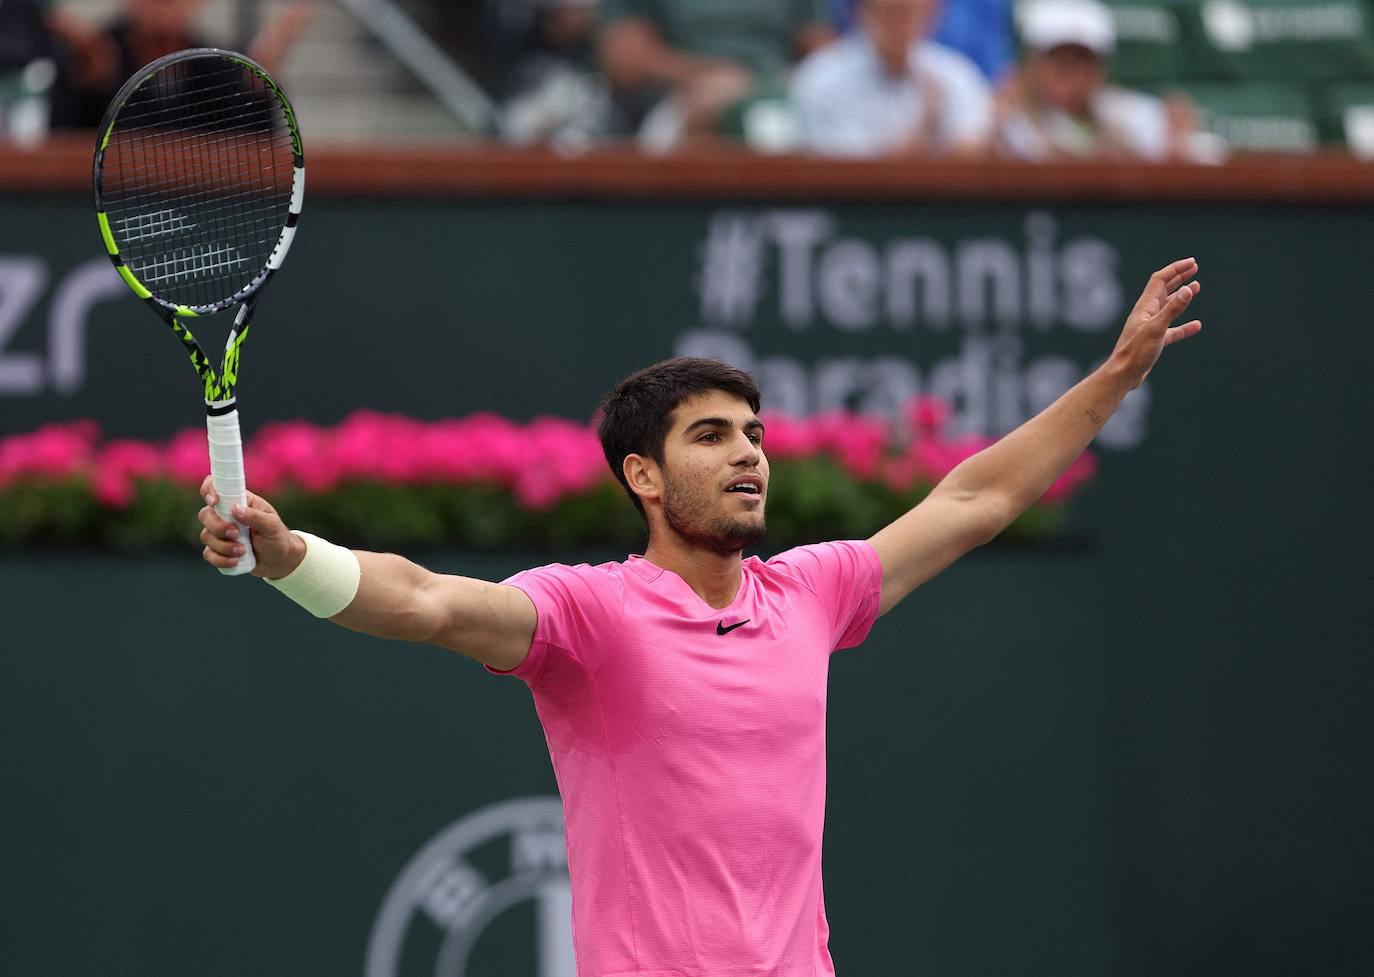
{"type": "Point", "coordinates": [1294, 40]}
{"type": "Point", "coordinates": [1256, 116]}
{"type": "Point", "coordinates": [1347, 115]}
{"type": "Point", "coordinates": [1152, 43]}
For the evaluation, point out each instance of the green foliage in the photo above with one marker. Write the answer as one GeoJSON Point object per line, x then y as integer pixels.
{"type": "Point", "coordinates": [813, 499]}
{"type": "Point", "coordinates": [55, 511]}
{"type": "Point", "coordinates": [810, 499]}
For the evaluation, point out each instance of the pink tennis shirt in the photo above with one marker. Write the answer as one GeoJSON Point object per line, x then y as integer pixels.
{"type": "Point", "coordinates": [689, 748]}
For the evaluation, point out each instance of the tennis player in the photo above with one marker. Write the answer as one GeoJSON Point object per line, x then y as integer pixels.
{"type": "Point", "coordinates": [682, 692]}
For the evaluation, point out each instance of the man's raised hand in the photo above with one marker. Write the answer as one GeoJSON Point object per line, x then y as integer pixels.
{"type": "Point", "coordinates": [278, 550]}
{"type": "Point", "coordinates": [1147, 329]}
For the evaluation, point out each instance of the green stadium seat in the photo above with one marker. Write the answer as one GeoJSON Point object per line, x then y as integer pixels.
{"type": "Point", "coordinates": [1152, 41]}
{"type": "Point", "coordinates": [1347, 115]}
{"type": "Point", "coordinates": [1295, 40]}
{"type": "Point", "coordinates": [1256, 116]}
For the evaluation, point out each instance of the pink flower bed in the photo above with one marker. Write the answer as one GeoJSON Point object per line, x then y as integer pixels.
{"type": "Point", "coordinates": [540, 463]}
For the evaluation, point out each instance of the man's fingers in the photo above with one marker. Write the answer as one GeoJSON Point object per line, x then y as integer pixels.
{"type": "Point", "coordinates": [1184, 331]}
{"type": "Point", "coordinates": [224, 543]}
{"type": "Point", "coordinates": [255, 518]}
{"type": "Point", "coordinates": [1173, 275]}
{"type": "Point", "coordinates": [215, 560]}
{"type": "Point", "coordinates": [1163, 283]}
{"type": "Point", "coordinates": [1173, 283]}
{"type": "Point", "coordinates": [224, 547]}
{"type": "Point", "coordinates": [208, 493]}
{"type": "Point", "coordinates": [1182, 268]}
{"type": "Point", "coordinates": [258, 502]}
{"type": "Point", "coordinates": [212, 521]}
{"type": "Point", "coordinates": [1179, 301]}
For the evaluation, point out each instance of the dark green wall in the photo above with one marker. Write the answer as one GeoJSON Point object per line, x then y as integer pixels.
{"type": "Point", "coordinates": [1036, 767]}
{"type": "Point", "coordinates": [1145, 756]}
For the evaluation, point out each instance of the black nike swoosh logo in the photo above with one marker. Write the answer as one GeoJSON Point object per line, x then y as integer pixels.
{"type": "Point", "coordinates": [722, 629]}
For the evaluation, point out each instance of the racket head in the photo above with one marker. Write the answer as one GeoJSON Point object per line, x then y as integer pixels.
{"type": "Point", "coordinates": [199, 179]}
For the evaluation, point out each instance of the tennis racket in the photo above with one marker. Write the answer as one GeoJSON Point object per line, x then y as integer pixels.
{"type": "Point", "coordinates": [199, 180]}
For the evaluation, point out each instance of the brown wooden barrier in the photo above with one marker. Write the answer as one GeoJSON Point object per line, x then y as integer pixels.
{"type": "Point", "coordinates": [64, 165]}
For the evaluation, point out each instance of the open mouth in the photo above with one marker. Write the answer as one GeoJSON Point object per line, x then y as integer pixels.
{"type": "Point", "coordinates": [748, 487]}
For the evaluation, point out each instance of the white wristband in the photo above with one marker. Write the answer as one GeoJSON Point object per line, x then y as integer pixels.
{"type": "Point", "coordinates": [326, 580]}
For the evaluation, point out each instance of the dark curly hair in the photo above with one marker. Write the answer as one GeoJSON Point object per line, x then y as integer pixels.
{"type": "Point", "coordinates": [636, 415]}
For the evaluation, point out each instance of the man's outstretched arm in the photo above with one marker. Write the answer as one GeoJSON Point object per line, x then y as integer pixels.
{"type": "Point", "coordinates": [396, 598]}
{"type": "Point", "coordinates": [984, 494]}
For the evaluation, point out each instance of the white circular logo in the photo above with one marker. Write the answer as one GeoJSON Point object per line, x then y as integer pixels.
{"type": "Point", "coordinates": [509, 855]}
{"type": "Point", "coordinates": [1231, 25]}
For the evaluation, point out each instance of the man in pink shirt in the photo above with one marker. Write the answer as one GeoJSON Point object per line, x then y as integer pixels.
{"type": "Point", "coordinates": [683, 692]}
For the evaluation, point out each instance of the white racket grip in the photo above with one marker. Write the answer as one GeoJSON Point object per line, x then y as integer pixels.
{"type": "Point", "coordinates": [226, 471]}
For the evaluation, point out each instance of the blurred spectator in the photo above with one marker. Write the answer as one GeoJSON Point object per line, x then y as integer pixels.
{"type": "Point", "coordinates": [886, 90]}
{"type": "Point", "coordinates": [1058, 104]}
{"type": "Point", "coordinates": [554, 92]}
{"type": "Point", "coordinates": [32, 61]}
{"type": "Point", "coordinates": [980, 29]}
{"type": "Point", "coordinates": [145, 30]}
{"type": "Point", "coordinates": [694, 67]}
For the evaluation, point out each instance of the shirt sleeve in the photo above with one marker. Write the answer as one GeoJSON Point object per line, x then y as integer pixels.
{"type": "Point", "coordinates": [578, 611]}
{"type": "Point", "coordinates": [847, 577]}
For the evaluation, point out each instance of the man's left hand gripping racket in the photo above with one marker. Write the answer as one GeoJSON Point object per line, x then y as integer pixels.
{"type": "Point", "coordinates": [199, 181]}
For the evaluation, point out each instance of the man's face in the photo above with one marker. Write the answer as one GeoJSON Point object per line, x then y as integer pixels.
{"type": "Point", "coordinates": [893, 25]}
{"type": "Point", "coordinates": [1068, 76]}
{"type": "Point", "coordinates": [715, 474]}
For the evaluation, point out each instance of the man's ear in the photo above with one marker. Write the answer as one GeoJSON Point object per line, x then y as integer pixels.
{"type": "Point", "coordinates": [644, 477]}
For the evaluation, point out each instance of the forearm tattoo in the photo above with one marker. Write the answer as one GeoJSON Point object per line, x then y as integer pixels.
{"type": "Point", "coordinates": [1094, 416]}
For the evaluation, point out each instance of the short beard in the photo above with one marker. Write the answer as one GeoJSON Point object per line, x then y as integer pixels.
{"type": "Point", "coordinates": [727, 535]}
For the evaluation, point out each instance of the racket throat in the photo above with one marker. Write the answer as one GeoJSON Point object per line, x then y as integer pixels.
{"type": "Point", "coordinates": [218, 386]}
{"type": "Point", "coordinates": [229, 369]}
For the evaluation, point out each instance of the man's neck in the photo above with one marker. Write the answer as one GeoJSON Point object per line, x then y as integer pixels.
{"type": "Point", "coordinates": [715, 577]}
{"type": "Point", "coordinates": [895, 64]}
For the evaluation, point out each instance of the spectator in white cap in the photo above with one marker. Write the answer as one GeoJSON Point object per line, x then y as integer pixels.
{"type": "Point", "coordinates": [1058, 105]}
{"type": "Point", "coordinates": [886, 89]}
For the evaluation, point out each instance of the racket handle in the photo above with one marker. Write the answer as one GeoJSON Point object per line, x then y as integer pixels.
{"type": "Point", "coordinates": [226, 471]}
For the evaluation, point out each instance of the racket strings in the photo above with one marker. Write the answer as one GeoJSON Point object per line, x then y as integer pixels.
{"type": "Point", "coordinates": [210, 143]}
{"type": "Point", "coordinates": [198, 180]}
{"type": "Point", "coordinates": [148, 225]}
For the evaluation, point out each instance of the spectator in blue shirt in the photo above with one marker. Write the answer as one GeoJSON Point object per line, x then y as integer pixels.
{"type": "Point", "coordinates": [980, 29]}
{"type": "Point", "coordinates": [885, 89]}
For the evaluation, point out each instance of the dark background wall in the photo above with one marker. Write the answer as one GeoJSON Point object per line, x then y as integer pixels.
{"type": "Point", "coordinates": [1145, 753]}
